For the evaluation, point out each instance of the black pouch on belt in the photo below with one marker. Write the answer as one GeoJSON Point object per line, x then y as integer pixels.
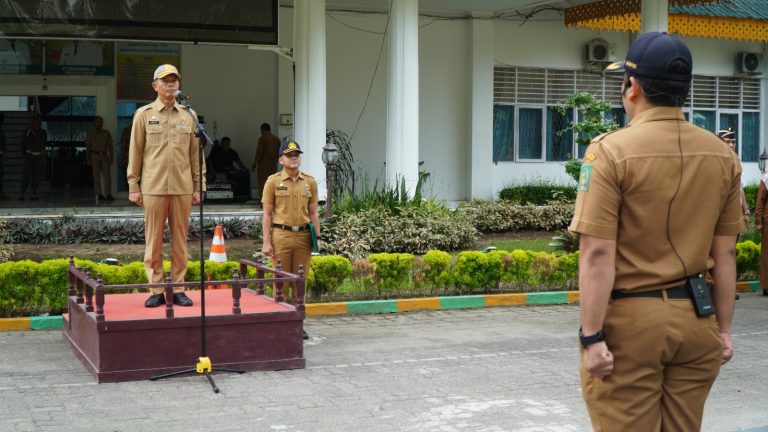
{"type": "Point", "coordinates": [700, 296]}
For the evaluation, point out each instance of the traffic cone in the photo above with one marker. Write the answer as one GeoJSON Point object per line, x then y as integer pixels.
{"type": "Point", "coordinates": [218, 251]}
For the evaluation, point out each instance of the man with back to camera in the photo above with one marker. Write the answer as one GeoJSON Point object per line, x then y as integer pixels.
{"type": "Point", "coordinates": [163, 178]}
{"type": "Point", "coordinates": [650, 348]}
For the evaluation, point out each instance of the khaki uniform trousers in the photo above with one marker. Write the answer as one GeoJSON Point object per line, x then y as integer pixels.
{"type": "Point", "coordinates": [176, 209]}
{"type": "Point", "coordinates": [33, 165]}
{"type": "Point", "coordinates": [293, 249]}
{"type": "Point", "coordinates": [100, 168]}
{"type": "Point", "coordinates": [665, 361]}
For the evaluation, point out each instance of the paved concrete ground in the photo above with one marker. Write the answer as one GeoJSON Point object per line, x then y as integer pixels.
{"type": "Point", "coordinates": [489, 370]}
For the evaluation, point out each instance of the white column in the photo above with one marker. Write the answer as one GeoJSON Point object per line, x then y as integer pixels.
{"type": "Point", "coordinates": [309, 110]}
{"type": "Point", "coordinates": [403, 94]}
{"type": "Point", "coordinates": [481, 140]}
{"type": "Point", "coordinates": [654, 16]}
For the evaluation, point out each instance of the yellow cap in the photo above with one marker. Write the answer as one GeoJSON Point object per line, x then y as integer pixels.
{"type": "Point", "coordinates": [165, 70]}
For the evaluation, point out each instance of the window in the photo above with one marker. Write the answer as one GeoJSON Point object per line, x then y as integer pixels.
{"type": "Point", "coordinates": [503, 130]}
{"type": "Point", "coordinates": [531, 122]}
{"type": "Point", "coordinates": [527, 127]}
{"type": "Point", "coordinates": [728, 102]}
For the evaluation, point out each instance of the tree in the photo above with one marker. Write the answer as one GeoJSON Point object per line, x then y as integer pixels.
{"type": "Point", "coordinates": [595, 119]}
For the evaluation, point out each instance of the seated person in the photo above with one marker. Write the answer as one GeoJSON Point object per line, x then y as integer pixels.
{"type": "Point", "coordinates": [223, 157]}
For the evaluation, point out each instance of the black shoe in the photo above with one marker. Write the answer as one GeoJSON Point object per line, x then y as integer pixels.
{"type": "Point", "coordinates": [33, 198]}
{"type": "Point", "coordinates": [765, 292]}
{"type": "Point", "coordinates": [305, 335]}
{"type": "Point", "coordinates": [101, 198]}
{"type": "Point", "coordinates": [737, 297]}
{"type": "Point", "coordinates": [155, 300]}
{"type": "Point", "coordinates": [181, 299]}
{"type": "Point", "coordinates": [110, 198]}
{"type": "Point", "coordinates": [21, 198]}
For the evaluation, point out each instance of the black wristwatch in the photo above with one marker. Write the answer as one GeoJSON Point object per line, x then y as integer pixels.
{"type": "Point", "coordinates": [589, 340]}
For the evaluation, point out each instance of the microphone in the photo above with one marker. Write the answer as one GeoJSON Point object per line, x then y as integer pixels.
{"type": "Point", "coordinates": [181, 97]}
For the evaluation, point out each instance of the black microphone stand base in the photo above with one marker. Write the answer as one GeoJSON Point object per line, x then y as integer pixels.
{"type": "Point", "coordinates": [203, 367]}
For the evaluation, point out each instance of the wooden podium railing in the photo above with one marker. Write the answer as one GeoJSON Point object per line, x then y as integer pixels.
{"type": "Point", "coordinates": [84, 287]}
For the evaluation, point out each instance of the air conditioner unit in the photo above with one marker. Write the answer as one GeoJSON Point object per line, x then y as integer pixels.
{"type": "Point", "coordinates": [599, 50]}
{"type": "Point", "coordinates": [749, 63]}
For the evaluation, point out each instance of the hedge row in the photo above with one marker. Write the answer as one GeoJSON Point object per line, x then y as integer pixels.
{"type": "Point", "coordinates": [30, 288]}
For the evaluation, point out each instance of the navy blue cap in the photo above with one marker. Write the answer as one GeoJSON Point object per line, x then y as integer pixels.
{"type": "Point", "coordinates": [289, 146]}
{"type": "Point", "coordinates": [651, 54]}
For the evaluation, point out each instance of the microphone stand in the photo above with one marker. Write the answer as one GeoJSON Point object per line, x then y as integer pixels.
{"type": "Point", "coordinates": [203, 365]}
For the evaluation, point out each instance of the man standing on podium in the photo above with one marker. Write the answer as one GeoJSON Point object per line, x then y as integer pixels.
{"type": "Point", "coordinates": [163, 178]}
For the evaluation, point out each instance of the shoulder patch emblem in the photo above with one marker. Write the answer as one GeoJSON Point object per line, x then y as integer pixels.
{"type": "Point", "coordinates": [584, 174]}
{"type": "Point", "coordinates": [590, 157]}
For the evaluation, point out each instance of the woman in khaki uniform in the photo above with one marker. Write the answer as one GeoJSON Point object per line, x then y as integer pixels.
{"type": "Point", "coordinates": [290, 203]}
{"type": "Point", "coordinates": [760, 214]}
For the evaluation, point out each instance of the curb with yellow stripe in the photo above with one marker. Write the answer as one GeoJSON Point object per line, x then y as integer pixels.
{"type": "Point", "coordinates": [383, 306]}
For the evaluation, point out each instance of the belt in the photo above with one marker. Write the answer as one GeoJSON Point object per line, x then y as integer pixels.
{"type": "Point", "coordinates": [680, 292]}
{"type": "Point", "coordinates": [34, 153]}
{"type": "Point", "coordinates": [291, 228]}
{"type": "Point", "coordinates": [95, 152]}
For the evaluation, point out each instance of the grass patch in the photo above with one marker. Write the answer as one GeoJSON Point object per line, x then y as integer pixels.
{"type": "Point", "coordinates": [533, 245]}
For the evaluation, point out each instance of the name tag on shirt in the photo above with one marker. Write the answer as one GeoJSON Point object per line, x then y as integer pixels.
{"type": "Point", "coordinates": [282, 188]}
{"type": "Point", "coordinates": [154, 122]}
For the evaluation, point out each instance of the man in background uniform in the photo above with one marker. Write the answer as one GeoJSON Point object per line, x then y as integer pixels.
{"type": "Point", "coordinates": [98, 146]}
{"type": "Point", "coordinates": [265, 162]}
{"type": "Point", "coordinates": [163, 177]}
{"type": "Point", "coordinates": [290, 203]}
{"type": "Point", "coordinates": [33, 147]}
{"type": "Point", "coordinates": [3, 149]}
{"type": "Point", "coordinates": [650, 349]}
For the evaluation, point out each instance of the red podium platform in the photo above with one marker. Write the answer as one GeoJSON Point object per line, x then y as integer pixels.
{"type": "Point", "coordinates": [121, 340]}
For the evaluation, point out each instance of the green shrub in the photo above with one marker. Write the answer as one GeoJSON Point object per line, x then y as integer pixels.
{"type": "Point", "coordinates": [504, 216]}
{"type": "Point", "coordinates": [328, 272]}
{"type": "Point", "coordinates": [6, 251]}
{"type": "Point", "coordinates": [414, 229]}
{"type": "Point", "coordinates": [393, 270]}
{"type": "Point", "coordinates": [747, 259]}
{"type": "Point", "coordinates": [538, 194]}
{"type": "Point", "coordinates": [437, 269]}
{"type": "Point", "coordinates": [475, 269]}
{"type": "Point", "coordinates": [750, 191]}
{"type": "Point", "coordinates": [68, 230]}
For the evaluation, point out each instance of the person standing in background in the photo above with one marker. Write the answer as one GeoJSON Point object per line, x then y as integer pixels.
{"type": "Point", "coordinates": [98, 145]}
{"type": "Point", "coordinates": [761, 212]}
{"type": "Point", "coordinates": [3, 149]}
{"type": "Point", "coordinates": [33, 148]}
{"type": "Point", "coordinates": [265, 162]}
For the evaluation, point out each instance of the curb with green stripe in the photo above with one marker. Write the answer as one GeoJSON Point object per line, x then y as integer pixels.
{"type": "Point", "coordinates": [383, 306]}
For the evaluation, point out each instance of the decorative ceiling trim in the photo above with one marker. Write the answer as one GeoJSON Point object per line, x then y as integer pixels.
{"type": "Point", "coordinates": [740, 29]}
{"type": "Point", "coordinates": [576, 16]}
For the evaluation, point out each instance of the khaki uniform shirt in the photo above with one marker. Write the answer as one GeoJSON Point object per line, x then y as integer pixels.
{"type": "Point", "coordinates": [627, 193]}
{"type": "Point", "coordinates": [290, 198]}
{"type": "Point", "coordinates": [34, 140]}
{"type": "Point", "coordinates": [162, 158]}
{"type": "Point", "coordinates": [99, 141]}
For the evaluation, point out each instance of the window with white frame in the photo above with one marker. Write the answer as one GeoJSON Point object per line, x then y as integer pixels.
{"type": "Point", "coordinates": [527, 127]}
